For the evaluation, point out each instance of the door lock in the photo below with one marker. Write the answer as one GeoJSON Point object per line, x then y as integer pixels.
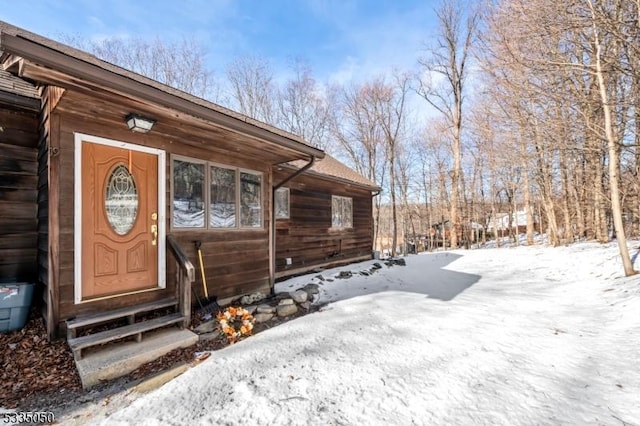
{"type": "Point", "coordinates": [154, 234]}
{"type": "Point", "coordinates": [154, 229]}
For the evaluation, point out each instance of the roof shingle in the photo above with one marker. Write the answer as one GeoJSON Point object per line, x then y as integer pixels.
{"type": "Point", "coordinates": [332, 168]}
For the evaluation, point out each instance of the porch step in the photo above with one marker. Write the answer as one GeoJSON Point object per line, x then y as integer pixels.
{"type": "Point", "coordinates": [121, 358]}
{"type": "Point", "coordinates": [77, 344]}
{"type": "Point", "coordinates": [129, 312]}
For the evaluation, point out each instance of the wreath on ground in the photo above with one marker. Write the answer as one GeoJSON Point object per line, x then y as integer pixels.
{"type": "Point", "coordinates": [235, 323]}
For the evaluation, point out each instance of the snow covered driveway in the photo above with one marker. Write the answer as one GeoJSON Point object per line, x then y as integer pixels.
{"type": "Point", "coordinates": [521, 336]}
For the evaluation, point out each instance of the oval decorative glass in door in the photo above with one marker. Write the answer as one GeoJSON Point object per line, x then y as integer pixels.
{"type": "Point", "coordinates": [121, 200]}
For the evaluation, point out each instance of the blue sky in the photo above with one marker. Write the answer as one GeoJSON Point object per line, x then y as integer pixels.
{"type": "Point", "coordinates": [342, 40]}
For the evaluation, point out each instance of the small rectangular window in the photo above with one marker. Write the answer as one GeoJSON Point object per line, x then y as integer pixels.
{"type": "Point", "coordinates": [222, 210]}
{"type": "Point", "coordinates": [282, 203]}
{"type": "Point", "coordinates": [250, 200]}
{"type": "Point", "coordinates": [341, 212]}
{"type": "Point", "coordinates": [188, 194]}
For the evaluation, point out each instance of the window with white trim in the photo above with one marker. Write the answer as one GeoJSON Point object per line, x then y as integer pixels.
{"type": "Point", "coordinates": [341, 212]}
{"type": "Point", "coordinates": [213, 196]}
{"type": "Point", "coordinates": [281, 203]}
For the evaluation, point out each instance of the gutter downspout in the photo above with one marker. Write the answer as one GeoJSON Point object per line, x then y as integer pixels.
{"type": "Point", "coordinates": [298, 172]}
{"type": "Point", "coordinates": [272, 225]}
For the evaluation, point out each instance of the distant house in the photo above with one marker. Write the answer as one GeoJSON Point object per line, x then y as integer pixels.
{"type": "Point", "coordinates": [323, 216]}
{"type": "Point", "coordinates": [504, 221]}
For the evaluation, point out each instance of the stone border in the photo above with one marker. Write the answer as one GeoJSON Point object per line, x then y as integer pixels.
{"type": "Point", "coordinates": [285, 304]}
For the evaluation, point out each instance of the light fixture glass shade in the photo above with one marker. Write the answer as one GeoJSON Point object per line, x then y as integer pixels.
{"type": "Point", "coordinates": [138, 123]}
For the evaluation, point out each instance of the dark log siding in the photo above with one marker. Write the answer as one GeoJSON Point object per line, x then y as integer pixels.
{"type": "Point", "coordinates": [18, 194]}
{"type": "Point", "coordinates": [307, 236]}
{"type": "Point", "coordinates": [236, 261]}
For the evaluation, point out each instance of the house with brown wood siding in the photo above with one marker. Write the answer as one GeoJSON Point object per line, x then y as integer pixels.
{"type": "Point", "coordinates": [108, 179]}
{"type": "Point", "coordinates": [323, 216]}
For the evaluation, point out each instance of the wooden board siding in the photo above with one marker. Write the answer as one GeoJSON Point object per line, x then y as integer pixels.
{"type": "Point", "coordinates": [236, 261]}
{"type": "Point", "coordinates": [307, 236]}
{"type": "Point", "coordinates": [47, 203]}
{"type": "Point", "coordinates": [18, 194]}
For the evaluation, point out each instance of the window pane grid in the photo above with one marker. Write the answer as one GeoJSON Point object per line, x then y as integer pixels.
{"type": "Point", "coordinates": [231, 191]}
{"type": "Point", "coordinates": [341, 212]}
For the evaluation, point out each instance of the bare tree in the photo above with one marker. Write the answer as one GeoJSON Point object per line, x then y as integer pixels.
{"type": "Point", "coordinates": [435, 155]}
{"type": "Point", "coordinates": [370, 126]}
{"type": "Point", "coordinates": [354, 126]}
{"type": "Point", "coordinates": [445, 72]}
{"type": "Point", "coordinates": [177, 64]}
{"type": "Point", "coordinates": [404, 160]}
{"type": "Point", "coordinates": [601, 62]}
{"type": "Point", "coordinates": [390, 111]}
{"type": "Point", "coordinates": [574, 61]}
{"type": "Point", "coordinates": [252, 88]}
{"type": "Point", "coordinates": [303, 107]}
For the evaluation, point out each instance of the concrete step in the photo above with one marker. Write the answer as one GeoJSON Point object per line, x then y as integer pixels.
{"type": "Point", "coordinates": [119, 359]}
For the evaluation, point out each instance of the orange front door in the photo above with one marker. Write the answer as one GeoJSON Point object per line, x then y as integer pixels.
{"type": "Point", "coordinates": [119, 221]}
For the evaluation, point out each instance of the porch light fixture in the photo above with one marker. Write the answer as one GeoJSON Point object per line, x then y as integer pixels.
{"type": "Point", "coordinates": [138, 123]}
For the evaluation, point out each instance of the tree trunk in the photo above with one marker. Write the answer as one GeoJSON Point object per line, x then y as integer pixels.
{"type": "Point", "coordinates": [527, 202]}
{"type": "Point", "coordinates": [567, 234]}
{"type": "Point", "coordinates": [394, 214]}
{"type": "Point", "coordinates": [614, 162]}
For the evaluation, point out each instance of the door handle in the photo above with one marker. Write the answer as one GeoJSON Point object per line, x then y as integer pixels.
{"type": "Point", "coordinates": [154, 229]}
{"type": "Point", "coordinates": [154, 234]}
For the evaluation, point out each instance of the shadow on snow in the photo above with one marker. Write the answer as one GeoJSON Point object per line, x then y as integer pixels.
{"type": "Point", "coordinates": [438, 282]}
{"type": "Point", "coordinates": [424, 274]}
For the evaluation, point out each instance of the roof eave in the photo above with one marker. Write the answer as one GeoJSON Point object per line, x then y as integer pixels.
{"type": "Point", "coordinates": [371, 188]}
{"type": "Point", "coordinates": [75, 67]}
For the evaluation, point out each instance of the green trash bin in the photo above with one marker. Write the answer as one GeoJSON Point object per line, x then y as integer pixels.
{"type": "Point", "coordinates": [15, 301]}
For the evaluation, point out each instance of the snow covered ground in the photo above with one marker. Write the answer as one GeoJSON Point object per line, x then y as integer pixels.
{"type": "Point", "coordinates": [510, 336]}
